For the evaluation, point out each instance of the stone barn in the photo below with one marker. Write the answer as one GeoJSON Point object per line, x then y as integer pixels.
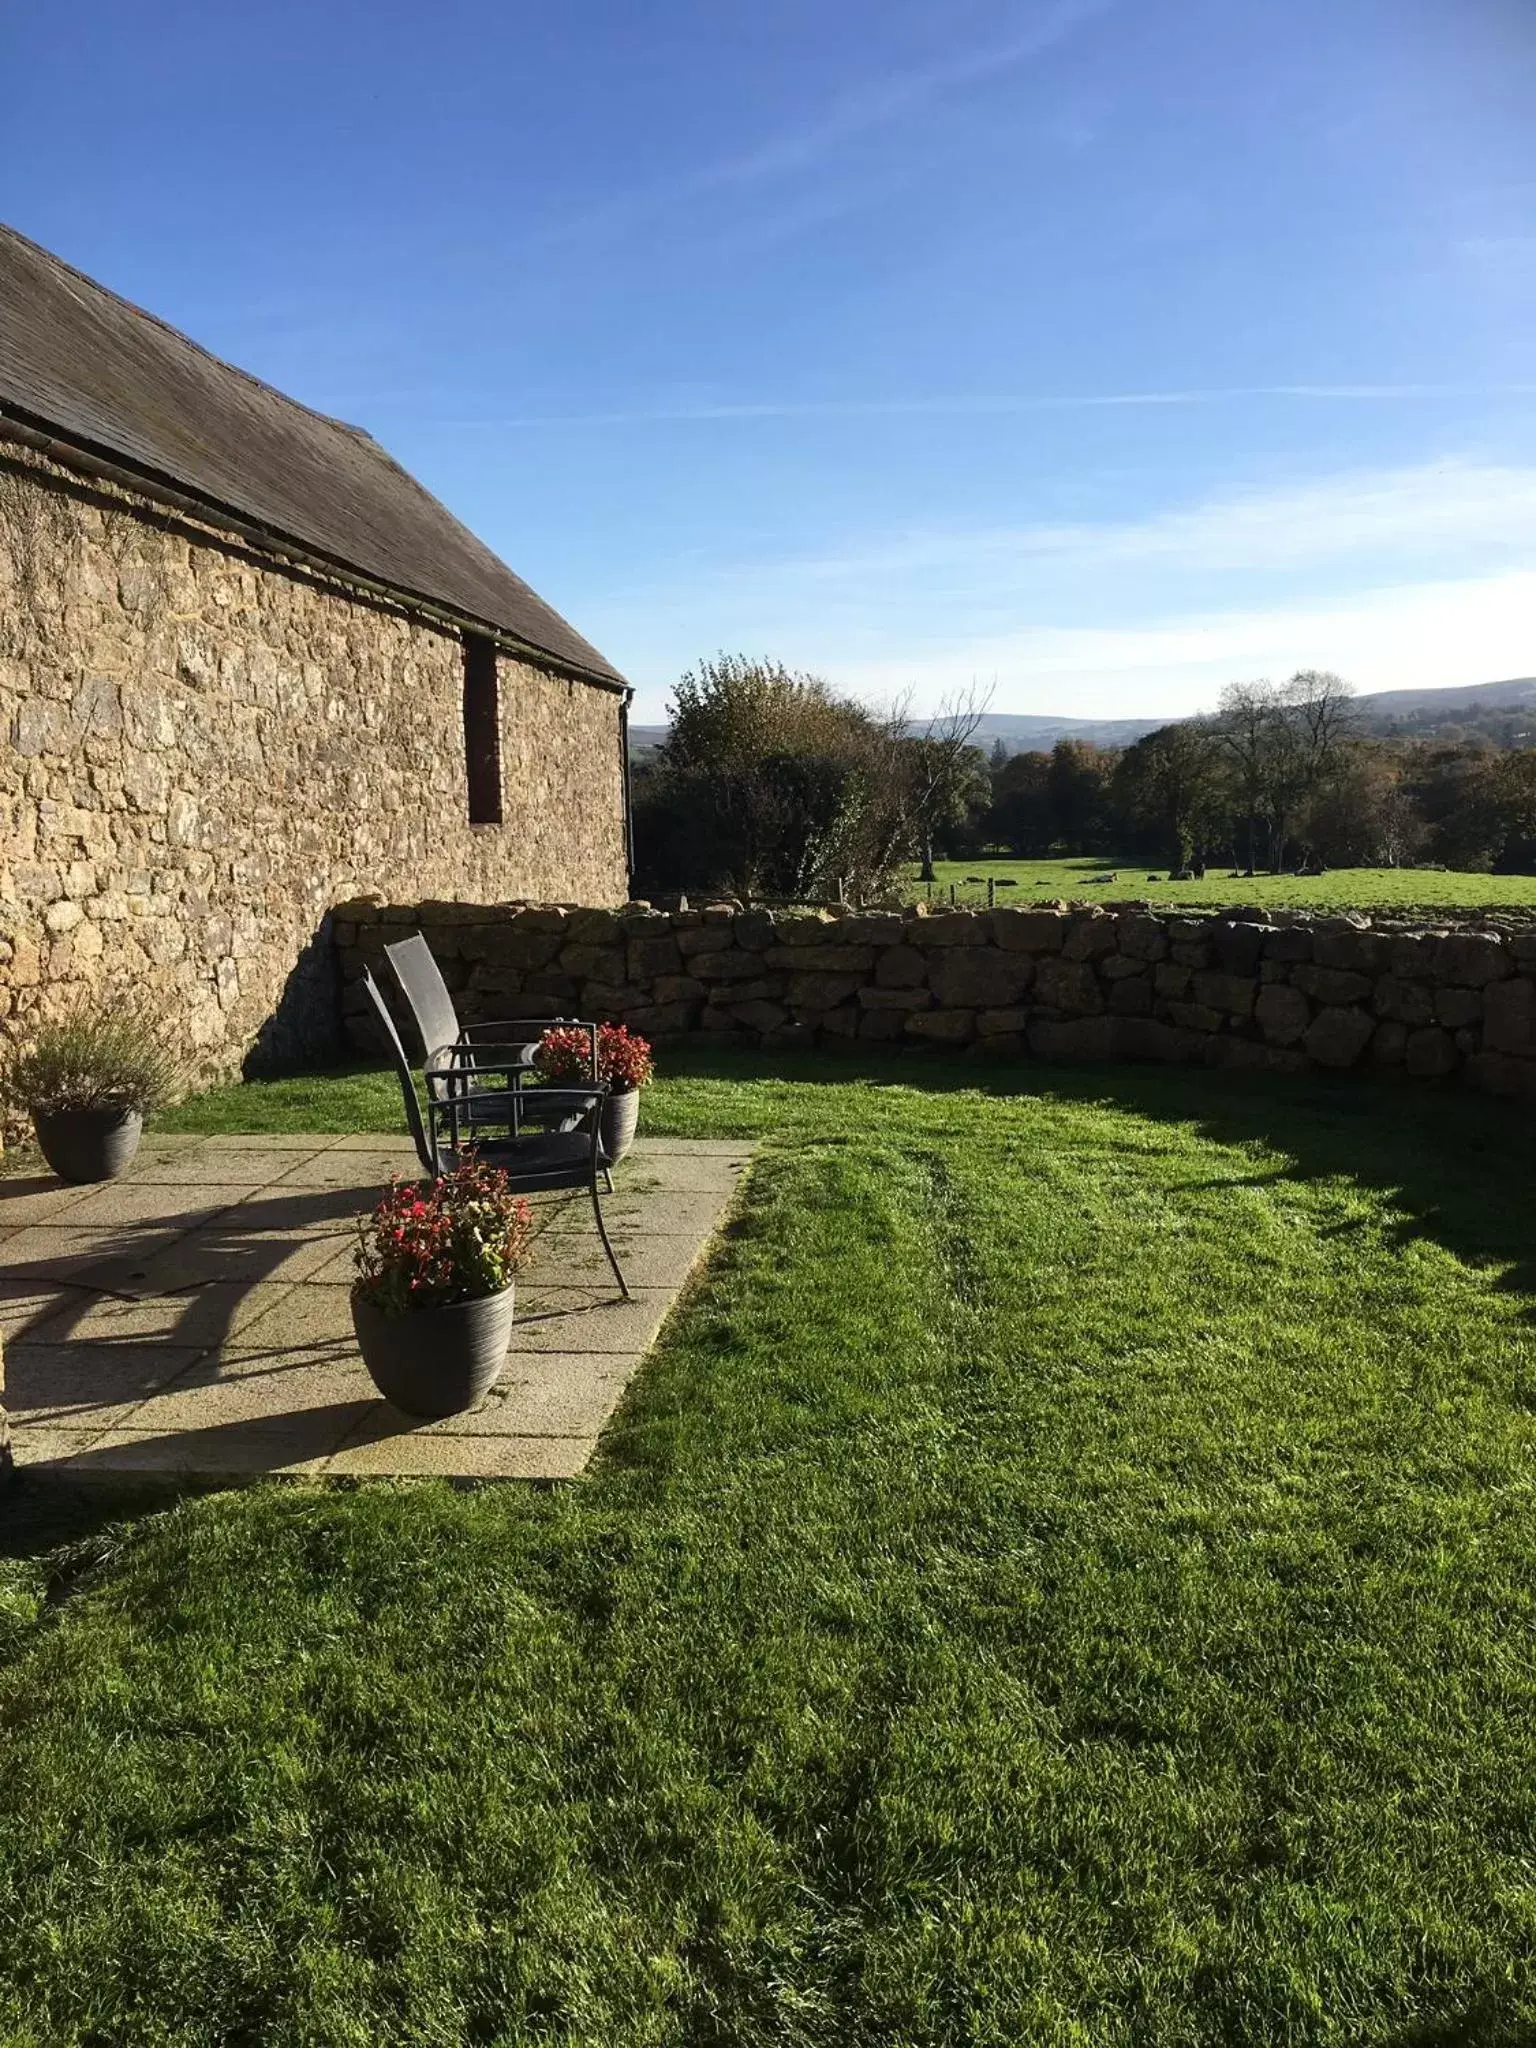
{"type": "Point", "coordinates": [250, 668]}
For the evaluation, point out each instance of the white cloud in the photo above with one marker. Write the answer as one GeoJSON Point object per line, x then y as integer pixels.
{"type": "Point", "coordinates": [1403, 577]}
{"type": "Point", "coordinates": [1468, 631]}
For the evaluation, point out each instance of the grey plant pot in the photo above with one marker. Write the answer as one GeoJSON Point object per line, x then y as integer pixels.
{"type": "Point", "coordinates": [435, 1361]}
{"type": "Point", "coordinates": [88, 1144]}
{"type": "Point", "coordinates": [616, 1123]}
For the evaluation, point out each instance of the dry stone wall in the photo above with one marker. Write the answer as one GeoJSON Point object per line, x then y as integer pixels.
{"type": "Point", "coordinates": [201, 752]}
{"type": "Point", "coordinates": [1285, 993]}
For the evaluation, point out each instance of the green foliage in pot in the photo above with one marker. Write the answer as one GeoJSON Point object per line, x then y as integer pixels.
{"type": "Point", "coordinates": [105, 1052]}
{"type": "Point", "coordinates": [429, 1244]}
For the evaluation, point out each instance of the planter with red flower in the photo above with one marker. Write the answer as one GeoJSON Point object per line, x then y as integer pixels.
{"type": "Point", "coordinates": [624, 1062]}
{"type": "Point", "coordinates": [432, 1303]}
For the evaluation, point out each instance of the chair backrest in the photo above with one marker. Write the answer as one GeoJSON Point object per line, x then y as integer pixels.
{"type": "Point", "coordinates": [422, 985]}
{"type": "Point", "coordinates": [406, 1077]}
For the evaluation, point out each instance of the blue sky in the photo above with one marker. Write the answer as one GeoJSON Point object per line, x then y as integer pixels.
{"type": "Point", "coordinates": [1096, 351]}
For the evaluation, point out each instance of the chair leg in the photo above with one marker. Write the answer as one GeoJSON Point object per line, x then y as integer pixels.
{"type": "Point", "coordinates": [602, 1231]}
{"type": "Point", "coordinates": [608, 1179]}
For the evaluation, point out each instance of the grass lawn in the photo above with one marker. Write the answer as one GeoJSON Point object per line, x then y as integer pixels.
{"type": "Point", "coordinates": [1395, 889]}
{"type": "Point", "coordinates": [1068, 1576]}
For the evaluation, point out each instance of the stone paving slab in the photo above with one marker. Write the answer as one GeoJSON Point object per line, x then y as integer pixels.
{"type": "Point", "coordinates": [194, 1318]}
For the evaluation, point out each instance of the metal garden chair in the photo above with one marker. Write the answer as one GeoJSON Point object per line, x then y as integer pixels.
{"type": "Point", "coordinates": [537, 1160]}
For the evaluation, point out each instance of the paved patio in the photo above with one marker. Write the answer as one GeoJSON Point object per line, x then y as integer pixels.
{"type": "Point", "coordinates": [193, 1318]}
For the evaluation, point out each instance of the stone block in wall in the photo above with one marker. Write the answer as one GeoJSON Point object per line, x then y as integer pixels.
{"type": "Point", "coordinates": [754, 930]}
{"type": "Point", "coordinates": [590, 962]}
{"type": "Point", "coordinates": [1081, 1038]}
{"type": "Point", "coordinates": [1430, 1053]}
{"type": "Point", "coordinates": [1069, 986]}
{"type": "Point", "coordinates": [1194, 1017]}
{"type": "Point", "coordinates": [1456, 1007]}
{"type": "Point", "coordinates": [881, 1024]}
{"type": "Point", "coordinates": [647, 957]}
{"type": "Point", "coordinates": [1469, 1039]}
{"type": "Point", "coordinates": [1190, 953]}
{"type": "Point", "coordinates": [1502, 1075]}
{"type": "Point", "coordinates": [896, 999]}
{"type": "Point", "coordinates": [980, 978]}
{"type": "Point", "coordinates": [1411, 956]}
{"type": "Point", "coordinates": [1472, 959]}
{"type": "Point", "coordinates": [1523, 946]}
{"type": "Point", "coordinates": [603, 1000]}
{"type": "Point", "coordinates": [943, 1027]}
{"type": "Point", "coordinates": [820, 991]}
{"type": "Point", "coordinates": [1148, 1038]}
{"type": "Point", "coordinates": [1509, 1017]}
{"type": "Point", "coordinates": [1288, 944]}
{"type": "Point", "coordinates": [829, 959]}
{"type": "Point", "coordinates": [639, 921]}
{"type": "Point", "coordinates": [720, 1024]}
{"type": "Point", "coordinates": [593, 928]}
{"type": "Point", "coordinates": [1333, 985]}
{"type": "Point", "coordinates": [872, 928]}
{"type": "Point", "coordinates": [679, 988]}
{"type": "Point", "coordinates": [900, 967]}
{"type": "Point", "coordinates": [707, 938]}
{"type": "Point", "coordinates": [1353, 951]}
{"type": "Point", "coordinates": [803, 927]}
{"type": "Point", "coordinates": [1093, 935]}
{"type": "Point", "coordinates": [1404, 1002]}
{"type": "Point", "coordinates": [1389, 1043]}
{"type": "Point", "coordinates": [1251, 1055]}
{"type": "Point", "coordinates": [950, 928]}
{"type": "Point", "coordinates": [503, 946]}
{"type": "Point", "coordinates": [1282, 1014]}
{"type": "Point", "coordinates": [1144, 939]}
{"type": "Point", "coordinates": [1132, 997]}
{"type": "Point", "coordinates": [840, 1023]}
{"type": "Point", "coordinates": [1031, 931]}
{"type": "Point", "coordinates": [993, 1023]}
{"type": "Point", "coordinates": [765, 988]}
{"type": "Point", "coordinates": [1233, 994]}
{"type": "Point", "coordinates": [547, 986]}
{"type": "Point", "coordinates": [1237, 947]}
{"type": "Point", "coordinates": [1118, 967]}
{"type": "Point", "coordinates": [760, 1016]}
{"type": "Point", "coordinates": [1169, 979]}
{"type": "Point", "coordinates": [726, 967]}
{"type": "Point", "coordinates": [1338, 1036]}
{"type": "Point", "coordinates": [662, 1020]}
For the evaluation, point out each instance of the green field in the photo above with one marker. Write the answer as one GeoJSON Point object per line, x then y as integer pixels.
{"type": "Point", "coordinates": [1396, 889]}
{"type": "Point", "coordinates": [1067, 1576]}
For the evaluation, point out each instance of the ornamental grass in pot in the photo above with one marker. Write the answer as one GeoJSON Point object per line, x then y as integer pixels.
{"type": "Point", "coordinates": [432, 1304]}
{"type": "Point", "coordinates": [88, 1079]}
{"type": "Point", "coordinates": [624, 1063]}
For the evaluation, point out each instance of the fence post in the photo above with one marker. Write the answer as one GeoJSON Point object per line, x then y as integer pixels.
{"type": "Point", "coordinates": [991, 892]}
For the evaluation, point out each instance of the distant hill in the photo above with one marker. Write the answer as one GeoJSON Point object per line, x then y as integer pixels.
{"type": "Point", "coordinates": [1502, 712]}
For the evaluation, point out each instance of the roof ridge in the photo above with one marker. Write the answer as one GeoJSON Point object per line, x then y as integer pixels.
{"type": "Point", "coordinates": [330, 419]}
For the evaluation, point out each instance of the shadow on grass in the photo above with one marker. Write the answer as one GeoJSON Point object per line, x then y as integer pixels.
{"type": "Point", "coordinates": [1460, 1166]}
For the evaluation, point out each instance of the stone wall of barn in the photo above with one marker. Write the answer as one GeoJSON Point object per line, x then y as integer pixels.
{"type": "Point", "coordinates": [1276, 991]}
{"type": "Point", "coordinates": [201, 752]}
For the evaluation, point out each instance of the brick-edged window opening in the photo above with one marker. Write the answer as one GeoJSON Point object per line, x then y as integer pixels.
{"type": "Point", "coordinates": [482, 730]}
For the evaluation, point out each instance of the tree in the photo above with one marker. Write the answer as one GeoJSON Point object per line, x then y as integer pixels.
{"type": "Point", "coordinates": [1281, 744]}
{"type": "Point", "coordinates": [769, 784]}
{"type": "Point", "coordinates": [944, 777]}
{"type": "Point", "coordinates": [1078, 787]}
{"type": "Point", "coordinates": [1171, 783]}
{"type": "Point", "coordinates": [1020, 817]}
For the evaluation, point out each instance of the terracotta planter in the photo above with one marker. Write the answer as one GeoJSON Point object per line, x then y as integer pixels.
{"type": "Point", "coordinates": [616, 1123]}
{"type": "Point", "coordinates": [435, 1361]}
{"type": "Point", "coordinates": [88, 1144]}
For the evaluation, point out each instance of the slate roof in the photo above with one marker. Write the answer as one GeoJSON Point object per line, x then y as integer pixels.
{"type": "Point", "coordinates": [85, 365]}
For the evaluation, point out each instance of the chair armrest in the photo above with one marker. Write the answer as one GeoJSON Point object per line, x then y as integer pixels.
{"type": "Point", "coordinates": [520, 1050]}
{"type": "Point", "coordinates": [436, 1070]}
